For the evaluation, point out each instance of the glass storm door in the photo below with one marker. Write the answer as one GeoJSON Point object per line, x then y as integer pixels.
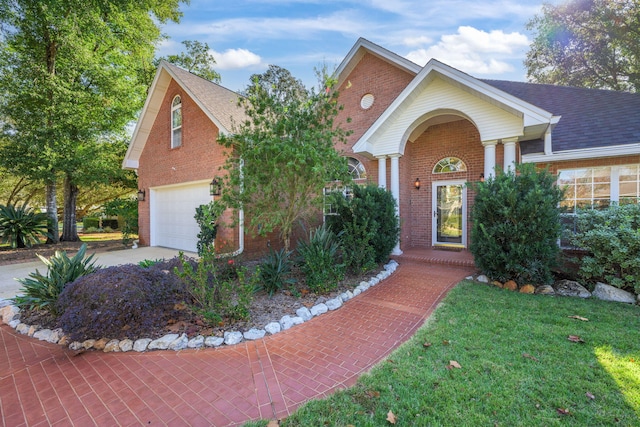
{"type": "Point", "coordinates": [449, 213]}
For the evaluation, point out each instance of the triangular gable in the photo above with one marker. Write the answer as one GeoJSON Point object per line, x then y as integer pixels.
{"type": "Point", "coordinates": [363, 46]}
{"type": "Point", "coordinates": [534, 120]}
{"type": "Point", "coordinates": [218, 103]}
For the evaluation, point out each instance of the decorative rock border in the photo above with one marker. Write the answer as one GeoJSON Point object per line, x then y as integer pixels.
{"type": "Point", "coordinates": [567, 288]}
{"type": "Point", "coordinates": [10, 315]}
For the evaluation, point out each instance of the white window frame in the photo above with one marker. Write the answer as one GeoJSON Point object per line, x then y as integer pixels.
{"type": "Point", "coordinates": [176, 108]}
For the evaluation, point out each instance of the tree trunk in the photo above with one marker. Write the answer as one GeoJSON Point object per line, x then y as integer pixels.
{"type": "Point", "coordinates": [69, 226]}
{"type": "Point", "coordinates": [52, 212]}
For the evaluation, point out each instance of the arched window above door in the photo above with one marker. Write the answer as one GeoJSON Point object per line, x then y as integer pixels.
{"type": "Point", "coordinates": [356, 168]}
{"type": "Point", "coordinates": [450, 164]}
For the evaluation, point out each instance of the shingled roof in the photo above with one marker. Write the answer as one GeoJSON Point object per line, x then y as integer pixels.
{"type": "Point", "coordinates": [591, 118]}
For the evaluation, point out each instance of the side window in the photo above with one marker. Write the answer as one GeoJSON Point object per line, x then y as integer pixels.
{"type": "Point", "coordinates": [356, 169]}
{"type": "Point", "coordinates": [176, 122]}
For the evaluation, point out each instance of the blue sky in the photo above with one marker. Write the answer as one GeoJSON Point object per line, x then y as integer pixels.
{"type": "Point", "coordinates": [486, 39]}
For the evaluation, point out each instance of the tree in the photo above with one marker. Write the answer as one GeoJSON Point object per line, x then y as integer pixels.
{"type": "Point", "coordinates": [197, 60]}
{"type": "Point", "coordinates": [587, 43]}
{"type": "Point", "coordinates": [72, 73]}
{"type": "Point", "coordinates": [516, 225]}
{"type": "Point", "coordinates": [283, 154]}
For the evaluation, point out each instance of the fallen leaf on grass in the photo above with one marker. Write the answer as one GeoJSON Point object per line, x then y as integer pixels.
{"type": "Point", "coordinates": [391, 417]}
{"type": "Point", "coordinates": [590, 396]}
{"type": "Point", "coordinates": [426, 345]}
{"type": "Point", "coordinates": [454, 364]}
{"type": "Point", "coordinates": [273, 423]}
{"type": "Point", "coordinates": [575, 338]}
{"type": "Point", "coordinates": [372, 393]}
{"type": "Point", "coordinates": [563, 411]}
{"type": "Point", "coordinates": [528, 356]}
{"type": "Point", "coordinates": [584, 319]}
{"type": "Point", "coordinates": [445, 342]}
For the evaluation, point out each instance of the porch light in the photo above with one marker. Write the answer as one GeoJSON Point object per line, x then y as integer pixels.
{"type": "Point", "coordinates": [141, 195]}
{"type": "Point", "coordinates": [417, 184]}
{"type": "Point", "coordinates": [214, 187]}
{"type": "Point", "coordinates": [482, 177]}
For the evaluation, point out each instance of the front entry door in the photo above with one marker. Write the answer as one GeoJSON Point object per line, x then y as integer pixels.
{"type": "Point", "coordinates": [449, 213]}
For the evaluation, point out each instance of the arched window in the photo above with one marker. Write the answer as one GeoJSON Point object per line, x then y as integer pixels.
{"type": "Point", "coordinates": [356, 168]}
{"type": "Point", "coordinates": [450, 164]}
{"type": "Point", "coordinates": [176, 122]}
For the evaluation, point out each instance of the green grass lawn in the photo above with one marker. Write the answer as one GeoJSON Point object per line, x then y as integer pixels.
{"type": "Point", "coordinates": [517, 367]}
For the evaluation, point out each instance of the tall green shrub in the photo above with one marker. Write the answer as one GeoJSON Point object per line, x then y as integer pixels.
{"type": "Point", "coordinates": [516, 225]}
{"type": "Point", "coordinates": [320, 260]}
{"type": "Point", "coordinates": [21, 226]}
{"type": "Point", "coordinates": [206, 218]}
{"type": "Point", "coordinates": [368, 225]}
{"type": "Point", "coordinates": [127, 209]}
{"type": "Point", "coordinates": [612, 239]}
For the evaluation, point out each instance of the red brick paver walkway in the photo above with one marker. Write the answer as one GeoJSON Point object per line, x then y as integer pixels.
{"type": "Point", "coordinates": [42, 384]}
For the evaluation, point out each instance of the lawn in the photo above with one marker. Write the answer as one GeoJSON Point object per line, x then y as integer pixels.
{"type": "Point", "coordinates": [493, 357]}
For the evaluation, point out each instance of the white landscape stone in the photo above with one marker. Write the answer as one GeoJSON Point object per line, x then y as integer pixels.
{"type": "Point", "coordinates": [213, 341]}
{"type": "Point", "coordinates": [162, 343]}
{"type": "Point", "coordinates": [179, 343]}
{"type": "Point", "coordinates": [14, 323]}
{"type": "Point", "coordinates": [356, 292]}
{"type": "Point", "coordinates": [196, 342]}
{"type": "Point", "coordinates": [22, 328]}
{"type": "Point", "coordinates": [288, 322]}
{"type": "Point", "coordinates": [254, 334]}
{"type": "Point", "coordinates": [231, 338]}
{"type": "Point", "coordinates": [126, 345]}
{"type": "Point", "coordinates": [334, 304]}
{"type": "Point", "coordinates": [319, 309]}
{"type": "Point", "coordinates": [9, 313]}
{"type": "Point", "coordinates": [43, 334]}
{"type": "Point", "coordinates": [373, 281]}
{"type": "Point", "coordinates": [611, 293]}
{"type": "Point", "coordinates": [112, 346]}
{"type": "Point", "coordinates": [4, 302]}
{"type": "Point", "coordinates": [141, 344]}
{"type": "Point", "coordinates": [273, 327]}
{"type": "Point", "coordinates": [482, 279]}
{"type": "Point", "coordinates": [304, 313]}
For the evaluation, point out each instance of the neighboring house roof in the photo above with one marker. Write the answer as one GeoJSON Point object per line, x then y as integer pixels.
{"type": "Point", "coordinates": [217, 102]}
{"type": "Point", "coordinates": [590, 118]}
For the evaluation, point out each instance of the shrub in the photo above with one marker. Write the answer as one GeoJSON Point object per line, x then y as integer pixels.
{"type": "Point", "coordinates": [213, 296]}
{"type": "Point", "coordinates": [320, 263]}
{"type": "Point", "coordinates": [274, 271]}
{"type": "Point", "coordinates": [127, 209]}
{"type": "Point", "coordinates": [206, 219]}
{"type": "Point", "coordinates": [90, 223]}
{"type": "Point", "coordinates": [92, 230]}
{"type": "Point", "coordinates": [612, 239]}
{"type": "Point", "coordinates": [148, 263]}
{"type": "Point", "coordinates": [119, 302]}
{"type": "Point", "coordinates": [367, 224]}
{"type": "Point", "coordinates": [516, 225]}
{"type": "Point", "coordinates": [42, 291]}
{"type": "Point", "coordinates": [21, 226]}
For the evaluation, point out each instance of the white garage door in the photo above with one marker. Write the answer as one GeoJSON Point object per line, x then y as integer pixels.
{"type": "Point", "coordinates": [172, 211]}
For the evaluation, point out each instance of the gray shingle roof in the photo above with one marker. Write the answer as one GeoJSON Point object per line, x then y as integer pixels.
{"type": "Point", "coordinates": [591, 118]}
{"type": "Point", "coordinates": [221, 102]}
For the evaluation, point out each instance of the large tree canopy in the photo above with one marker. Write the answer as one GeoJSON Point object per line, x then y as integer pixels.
{"type": "Point", "coordinates": [587, 43]}
{"type": "Point", "coordinates": [197, 59]}
{"type": "Point", "coordinates": [284, 153]}
{"type": "Point", "coordinates": [73, 74]}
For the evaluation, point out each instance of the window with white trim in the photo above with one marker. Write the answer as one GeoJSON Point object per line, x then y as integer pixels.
{"type": "Point", "coordinates": [356, 168]}
{"type": "Point", "coordinates": [176, 122]}
{"type": "Point", "coordinates": [629, 184]}
{"type": "Point", "coordinates": [450, 164]}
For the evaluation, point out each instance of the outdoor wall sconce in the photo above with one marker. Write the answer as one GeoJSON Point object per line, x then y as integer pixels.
{"type": "Point", "coordinates": [214, 187]}
{"type": "Point", "coordinates": [417, 184]}
{"type": "Point", "coordinates": [141, 195]}
{"type": "Point", "coordinates": [482, 177]}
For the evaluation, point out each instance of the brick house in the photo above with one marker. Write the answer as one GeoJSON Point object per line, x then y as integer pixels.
{"type": "Point", "coordinates": [421, 132]}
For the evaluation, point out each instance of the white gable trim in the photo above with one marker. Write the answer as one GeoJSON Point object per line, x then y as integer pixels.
{"type": "Point", "coordinates": [530, 114]}
{"type": "Point", "coordinates": [150, 111]}
{"type": "Point", "coordinates": [585, 153]}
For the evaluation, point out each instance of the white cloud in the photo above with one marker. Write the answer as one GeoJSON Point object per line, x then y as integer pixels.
{"type": "Point", "coordinates": [416, 41]}
{"type": "Point", "coordinates": [475, 51]}
{"type": "Point", "coordinates": [235, 58]}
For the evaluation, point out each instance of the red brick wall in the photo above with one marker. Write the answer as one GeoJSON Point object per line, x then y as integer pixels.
{"type": "Point", "coordinates": [385, 82]}
{"type": "Point", "coordinates": [606, 161]}
{"type": "Point", "coordinates": [456, 139]}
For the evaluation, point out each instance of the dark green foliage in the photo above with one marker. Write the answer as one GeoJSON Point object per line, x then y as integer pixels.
{"type": "Point", "coordinates": [206, 219]}
{"type": "Point", "coordinates": [147, 263]}
{"type": "Point", "coordinates": [612, 238]}
{"type": "Point", "coordinates": [516, 225]}
{"type": "Point", "coordinates": [367, 223]}
{"type": "Point", "coordinates": [90, 222]}
{"type": "Point", "coordinates": [320, 260]}
{"type": "Point", "coordinates": [127, 209]}
{"type": "Point", "coordinates": [275, 270]}
{"type": "Point", "coordinates": [42, 291]}
{"type": "Point", "coordinates": [213, 293]}
{"type": "Point", "coordinates": [119, 302]}
{"type": "Point", "coordinates": [21, 226]}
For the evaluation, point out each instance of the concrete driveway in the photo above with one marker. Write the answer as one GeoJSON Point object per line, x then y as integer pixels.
{"type": "Point", "coordinates": [9, 287]}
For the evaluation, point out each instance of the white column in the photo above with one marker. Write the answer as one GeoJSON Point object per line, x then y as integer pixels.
{"type": "Point", "coordinates": [395, 191]}
{"type": "Point", "coordinates": [382, 171]}
{"type": "Point", "coordinates": [509, 153]}
{"type": "Point", "coordinates": [489, 158]}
